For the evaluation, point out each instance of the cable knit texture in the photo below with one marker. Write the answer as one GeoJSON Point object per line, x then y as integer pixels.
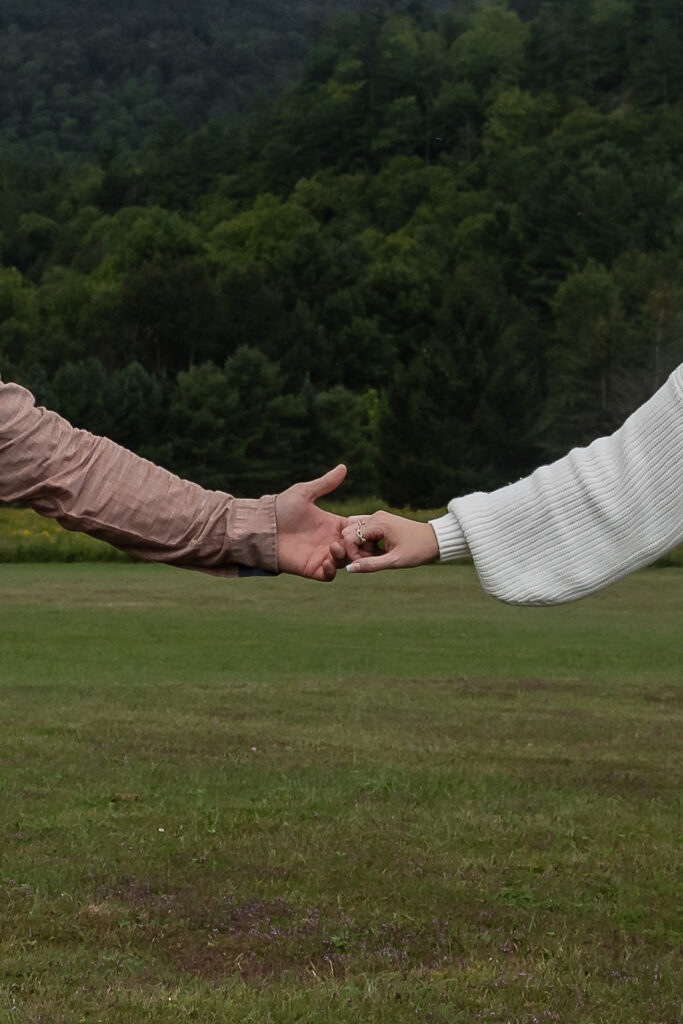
{"type": "Point", "coordinates": [588, 519]}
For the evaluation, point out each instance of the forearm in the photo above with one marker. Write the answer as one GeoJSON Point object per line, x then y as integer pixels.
{"type": "Point", "coordinates": [89, 483]}
{"type": "Point", "coordinates": [587, 520]}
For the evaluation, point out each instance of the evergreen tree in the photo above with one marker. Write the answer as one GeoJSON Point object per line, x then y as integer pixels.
{"type": "Point", "coordinates": [463, 414]}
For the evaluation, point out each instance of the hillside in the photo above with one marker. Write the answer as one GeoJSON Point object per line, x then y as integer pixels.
{"type": "Point", "coordinates": [451, 249]}
{"type": "Point", "coordinates": [83, 76]}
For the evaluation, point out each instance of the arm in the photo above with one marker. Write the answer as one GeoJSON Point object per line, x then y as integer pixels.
{"type": "Point", "coordinates": [89, 483]}
{"type": "Point", "coordinates": [574, 526]}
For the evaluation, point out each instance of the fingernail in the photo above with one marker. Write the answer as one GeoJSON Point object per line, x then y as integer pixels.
{"type": "Point", "coordinates": [353, 567]}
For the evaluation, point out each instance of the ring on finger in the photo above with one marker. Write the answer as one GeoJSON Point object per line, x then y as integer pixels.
{"type": "Point", "coordinates": [359, 532]}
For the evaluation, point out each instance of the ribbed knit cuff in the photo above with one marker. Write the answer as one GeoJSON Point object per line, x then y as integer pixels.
{"type": "Point", "coordinates": [451, 539]}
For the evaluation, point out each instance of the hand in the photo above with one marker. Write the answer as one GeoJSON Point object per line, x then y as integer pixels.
{"type": "Point", "coordinates": [306, 534]}
{"type": "Point", "coordinates": [406, 543]}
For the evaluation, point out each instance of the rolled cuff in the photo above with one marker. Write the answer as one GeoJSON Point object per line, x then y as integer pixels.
{"type": "Point", "coordinates": [252, 533]}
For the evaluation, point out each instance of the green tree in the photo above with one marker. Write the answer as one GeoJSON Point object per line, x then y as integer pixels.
{"type": "Point", "coordinates": [201, 407]}
{"type": "Point", "coordinates": [79, 392]}
{"type": "Point", "coordinates": [652, 300]}
{"type": "Point", "coordinates": [18, 318]}
{"type": "Point", "coordinates": [341, 426]}
{"type": "Point", "coordinates": [233, 427]}
{"type": "Point", "coordinates": [165, 315]}
{"type": "Point", "coordinates": [491, 53]}
{"type": "Point", "coordinates": [590, 372]}
{"type": "Point", "coordinates": [463, 414]}
{"type": "Point", "coordinates": [135, 400]}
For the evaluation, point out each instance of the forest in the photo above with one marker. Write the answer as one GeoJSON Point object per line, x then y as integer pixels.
{"type": "Point", "coordinates": [448, 249]}
{"type": "Point", "coordinates": [84, 77]}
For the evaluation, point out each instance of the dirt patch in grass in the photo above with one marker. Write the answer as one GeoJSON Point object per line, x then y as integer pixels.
{"type": "Point", "coordinates": [628, 784]}
{"type": "Point", "coordinates": [216, 936]}
{"type": "Point", "coordinates": [474, 686]}
{"type": "Point", "coordinates": [665, 698]}
{"type": "Point", "coordinates": [607, 780]}
{"type": "Point", "coordinates": [509, 689]}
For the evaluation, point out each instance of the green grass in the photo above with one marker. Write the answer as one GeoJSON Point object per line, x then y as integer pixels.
{"type": "Point", "coordinates": [390, 799]}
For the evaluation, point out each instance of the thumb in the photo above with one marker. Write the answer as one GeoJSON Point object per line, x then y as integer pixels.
{"type": "Point", "coordinates": [375, 563]}
{"type": "Point", "coordinates": [326, 483]}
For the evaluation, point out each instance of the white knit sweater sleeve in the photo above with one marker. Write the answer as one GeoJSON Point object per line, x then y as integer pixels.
{"type": "Point", "coordinates": [585, 521]}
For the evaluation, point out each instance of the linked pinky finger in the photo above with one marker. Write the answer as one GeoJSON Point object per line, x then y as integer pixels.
{"type": "Point", "coordinates": [338, 551]}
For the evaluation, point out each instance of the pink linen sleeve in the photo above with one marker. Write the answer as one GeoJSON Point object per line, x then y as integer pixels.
{"type": "Point", "coordinates": [91, 484]}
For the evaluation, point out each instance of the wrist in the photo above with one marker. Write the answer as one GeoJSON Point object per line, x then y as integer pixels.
{"type": "Point", "coordinates": [431, 543]}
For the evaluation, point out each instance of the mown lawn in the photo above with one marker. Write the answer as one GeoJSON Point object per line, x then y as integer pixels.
{"type": "Point", "coordinates": [390, 799]}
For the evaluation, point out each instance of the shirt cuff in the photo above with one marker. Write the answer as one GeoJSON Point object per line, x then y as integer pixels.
{"type": "Point", "coordinates": [451, 539]}
{"type": "Point", "coordinates": [252, 532]}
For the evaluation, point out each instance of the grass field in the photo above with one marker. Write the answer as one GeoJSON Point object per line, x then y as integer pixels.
{"type": "Point", "coordinates": [390, 799]}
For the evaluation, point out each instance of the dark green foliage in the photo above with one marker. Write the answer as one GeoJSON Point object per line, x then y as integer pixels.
{"type": "Point", "coordinates": [236, 424]}
{"type": "Point", "coordinates": [452, 249]}
{"type": "Point", "coordinates": [620, 337]}
{"type": "Point", "coordinates": [125, 405]}
{"type": "Point", "coordinates": [463, 413]}
{"type": "Point", "coordinates": [84, 75]}
{"type": "Point", "coordinates": [91, 77]}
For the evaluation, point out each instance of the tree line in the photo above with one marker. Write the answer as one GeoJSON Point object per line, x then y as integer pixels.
{"type": "Point", "coordinates": [86, 77]}
{"type": "Point", "coordinates": [450, 250]}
